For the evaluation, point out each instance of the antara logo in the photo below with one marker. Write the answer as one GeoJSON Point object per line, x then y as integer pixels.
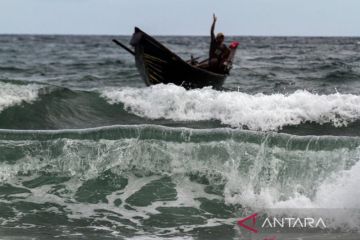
{"type": "Point", "coordinates": [291, 222]}
{"type": "Point", "coordinates": [249, 223]}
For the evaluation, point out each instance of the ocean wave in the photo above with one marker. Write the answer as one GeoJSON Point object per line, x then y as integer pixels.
{"type": "Point", "coordinates": [15, 94]}
{"type": "Point", "coordinates": [183, 134]}
{"type": "Point", "coordinates": [237, 109]}
{"type": "Point", "coordinates": [60, 108]}
{"type": "Point", "coordinates": [342, 75]}
{"type": "Point", "coordinates": [251, 169]}
{"type": "Point", "coordinates": [12, 69]}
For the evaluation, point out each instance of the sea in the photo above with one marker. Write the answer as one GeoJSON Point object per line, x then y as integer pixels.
{"type": "Point", "coordinates": [87, 151]}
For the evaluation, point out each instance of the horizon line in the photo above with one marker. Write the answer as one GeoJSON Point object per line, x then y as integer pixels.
{"type": "Point", "coordinates": [175, 35]}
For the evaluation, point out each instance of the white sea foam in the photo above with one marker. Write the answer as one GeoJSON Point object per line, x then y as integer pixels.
{"type": "Point", "coordinates": [237, 109]}
{"type": "Point", "coordinates": [13, 94]}
{"type": "Point", "coordinates": [336, 199]}
{"type": "Point", "coordinates": [340, 190]}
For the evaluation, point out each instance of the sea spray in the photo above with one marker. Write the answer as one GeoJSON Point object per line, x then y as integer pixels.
{"type": "Point", "coordinates": [13, 94]}
{"type": "Point", "coordinates": [237, 109]}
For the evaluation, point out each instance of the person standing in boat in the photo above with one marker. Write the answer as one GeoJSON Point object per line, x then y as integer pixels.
{"type": "Point", "coordinates": [219, 52]}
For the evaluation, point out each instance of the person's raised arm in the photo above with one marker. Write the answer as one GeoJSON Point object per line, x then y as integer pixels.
{"type": "Point", "coordinates": [213, 28]}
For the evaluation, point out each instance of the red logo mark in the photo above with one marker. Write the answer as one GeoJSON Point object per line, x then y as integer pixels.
{"type": "Point", "coordinates": [251, 228]}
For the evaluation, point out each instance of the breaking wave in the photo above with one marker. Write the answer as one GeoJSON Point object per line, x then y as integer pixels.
{"type": "Point", "coordinates": [255, 169]}
{"type": "Point", "coordinates": [237, 109]}
{"type": "Point", "coordinates": [15, 94]}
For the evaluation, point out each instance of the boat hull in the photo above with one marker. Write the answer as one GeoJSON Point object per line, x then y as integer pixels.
{"type": "Point", "coordinates": [157, 64]}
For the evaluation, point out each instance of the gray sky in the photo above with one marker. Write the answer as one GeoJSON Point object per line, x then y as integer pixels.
{"type": "Point", "coordinates": [182, 17]}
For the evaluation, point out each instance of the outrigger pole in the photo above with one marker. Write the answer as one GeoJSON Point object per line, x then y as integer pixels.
{"type": "Point", "coordinates": [124, 47]}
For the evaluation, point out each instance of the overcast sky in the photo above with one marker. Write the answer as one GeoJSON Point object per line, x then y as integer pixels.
{"type": "Point", "coordinates": [182, 17]}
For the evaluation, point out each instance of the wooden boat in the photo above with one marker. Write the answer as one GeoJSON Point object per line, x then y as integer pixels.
{"type": "Point", "coordinates": [157, 64]}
